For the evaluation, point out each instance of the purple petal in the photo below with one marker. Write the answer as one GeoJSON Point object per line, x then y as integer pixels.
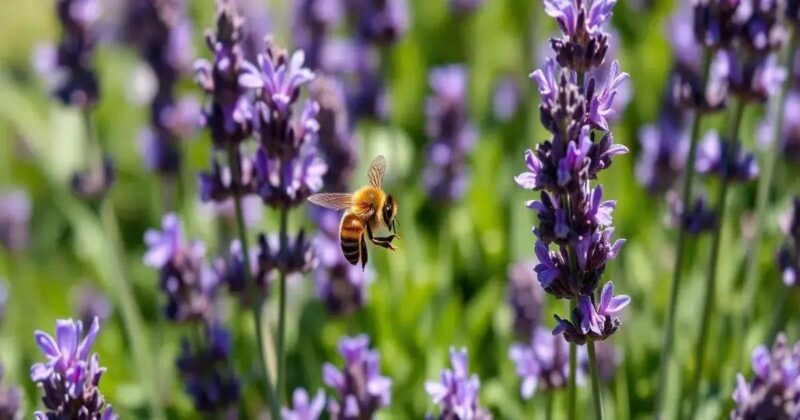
{"type": "Point", "coordinates": [332, 376]}
{"type": "Point", "coordinates": [46, 344]}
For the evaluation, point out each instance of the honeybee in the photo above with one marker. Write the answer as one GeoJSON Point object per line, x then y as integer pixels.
{"type": "Point", "coordinates": [369, 209]}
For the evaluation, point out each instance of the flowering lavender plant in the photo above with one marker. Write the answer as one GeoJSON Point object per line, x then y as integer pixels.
{"type": "Point", "coordinates": [71, 376]}
{"type": "Point", "coordinates": [774, 391]}
{"type": "Point", "coordinates": [361, 389]}
{"type": "Point", "coordinates": [206, 370]}
{"type": "Point", "coordinates": [161, 32]}
{"type": "Point", "coordinates": [188, 281]}
{"type": "Point", "coordinates": [451, 133]}
{"type": "Point", "coordinates": [457, 391]}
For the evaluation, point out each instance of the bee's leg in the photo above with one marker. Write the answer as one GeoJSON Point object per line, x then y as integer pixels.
{"type": "Point", "coordinates": [363, 253]}
{"type": "Point", "coordinates": [385, 242]}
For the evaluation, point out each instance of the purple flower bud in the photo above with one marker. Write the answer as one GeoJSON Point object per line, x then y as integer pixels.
{"type": "Point", "coordinates": [451, 134]}
{"type": "Point", "coordinates": [361, 390]}
{"type": "Point", "coordinates": [774, 391]}
{"type": "Point", "coordinates": [379, 21]}
{"type": "Point", "coordinates": [218, 184]}
{"type": "Point", "coordinates": [15, 217]}
{"type": "Point", "coordinates": [542, 362]}
{"type": "Point", "coordinates": [754, 79]}
{"type": "Point", "coordinates": [456, 393]}
{"type": "Point", "coordinates": [10, 401]}
{"type": "Point", "coordinates": [71, 376]}
{"type": "Point", "coordinates": [464, 7]}
{"type": "Point", "coordinates": [664, 150]}
{"type": "Point", "coordinates": [311, 23]}
{"type": "Point", "coordinates": [715, 25]}
{"type": "Point", "coordinates": [761, 21]}
{"type": "Point", "coordinates": [726, 160]}
{"type": "Point", "coordinates": [303, 407]}
{"type": "Point", "coordinates": [262, 266]}
{"type": "Point", "coordinates": [207, 371]}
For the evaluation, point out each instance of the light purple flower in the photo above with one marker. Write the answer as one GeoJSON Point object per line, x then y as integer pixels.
{"type": "Point", "coordinates": [165, 244]}
{"type": "Point", "coordinates": [361, 388]}
{"type": "Point", "coordinates": [456, 393]}
{"type": "Point", "coordinates": [15, 216]}
{"type": "Point", "coordinates": [304, 408]}
{"type": "Point", "coordinates": [542, 363]}
{"type": "Point", "coordinates": [279, 80]}
{"type": "Point", "coordinates": [774, 391]}
{"type": "Point", "coordinates": [601, 104]}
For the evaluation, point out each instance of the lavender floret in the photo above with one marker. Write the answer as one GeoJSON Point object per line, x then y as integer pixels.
{"type": "Point", "coordinates": [456, 393]}
{"type": "Point", "coordinates": [71, 375]}
{"type": "Point", "coordinates": [542, 362]}
{"type": "Point", "coordinates": [304, 408]}
{"type": "Point", "coordinates": [361, 390]}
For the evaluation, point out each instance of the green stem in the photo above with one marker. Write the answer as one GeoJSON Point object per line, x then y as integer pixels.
{"type": "Point", "coordinates": [254, 297]}
{"type": "Point", "coordinates": [282, 310]}
{"type": "Point", "coordinates": [708, 301]}
{"type": "Point", "coordinates": [762, 199]}
{"type": "Point", "coordinates": [551, 396]}
{"type": "Point", "coordinates": [573, 369]}
{"type": "Point", "coordinates": [117, 274]}
{"type": "Point", "coordinates": [680, 243]}
{"type": "Point", "coordinates": [597, 394]}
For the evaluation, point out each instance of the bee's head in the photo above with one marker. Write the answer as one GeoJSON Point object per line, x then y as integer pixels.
{"type": "Point", "coordinates": [390, 212]}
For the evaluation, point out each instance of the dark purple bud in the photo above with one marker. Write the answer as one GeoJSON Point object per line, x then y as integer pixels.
{"type": "Point", "coordinates": [10, 401]}
{"type": "Point", "coordinates": [753, 79]}
{"type": "Point", "coordinates": [726, 160]}
{"type": "Point", "coordinates": [207, 372]}
{"type": "Point", "coordinates": [584, 44]}
{"type": "Point", "coordinates": [699, 218]}
{"type": "Point", "coordinates": [93, 184]}
{"type": "Point", "coordinates": [715, 24]}
{"type": "Point", "coordinates": [379, 21]}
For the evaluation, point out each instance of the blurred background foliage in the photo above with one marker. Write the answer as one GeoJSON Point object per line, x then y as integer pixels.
{"type": "Point", "coordinates": [446, 285]}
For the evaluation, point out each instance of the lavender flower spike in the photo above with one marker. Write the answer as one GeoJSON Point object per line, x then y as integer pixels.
{"type": "Point", "coordinates": [71, 376]}
{"type": "Point", "coordinates": [774, 391]}
{"type": "Point", "coordinates": [304, 409]}
{"type": "Point", "coordinates": [457, 392]}
{"type": "Point", "coordinates": [584, 44]}
{"type": "Point", "coordinates": [590, 322]}
{"type": "Point", "coordinates": [361, 388]}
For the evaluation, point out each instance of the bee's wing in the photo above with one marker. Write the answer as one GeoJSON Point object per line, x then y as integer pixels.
{"type": "Point", "coordinates": [333, 201]}
{"type": "Point", "coordinates": [376, 170]}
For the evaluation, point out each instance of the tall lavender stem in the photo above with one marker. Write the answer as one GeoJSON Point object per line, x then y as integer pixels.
{"type": "Point", "coordinates": [572, 396]}
{"type": "Point", "coordinates": [762, 198]}
{"type": "Point", "coordinates": [686, 196]}
{"type": "Point", "coordinates": [274, 401]}
{"type": "Point", "coordinates": [596, 392]}
{"type": "Point", "coordinates": [708, 300]}
{"type": "Point", "coordinates": [282, 311]}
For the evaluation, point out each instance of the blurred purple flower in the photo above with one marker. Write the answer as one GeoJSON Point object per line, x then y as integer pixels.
{"type": "Point", "coordinates": [15, 218]}
{"type": "Point", "coordinates": [361, 389]}
{"type": "Point", "coordinates": [450, 132]}
{"type": "Point", "coordinates": [67, 67]}
{"type": "Point", "coordinates": [92, 184]}
{"type": "Point", "coordinates": [162, 33]}
{"type": "Point", "coordinates": [664, 150]}
{"type": "Point", "coordinates": [525, 297]}
{"type": "Point", "coordinates": [10, 401]}
{"type": "Point", "coordinates": [381, 22]}
{"type": "Point", "coordinates": [725, 160]}
{"type": "Point", "coordinates": [303, 407]}
{"type": "Point", "coordinates": [542, 362]}
{"type": "Point", "coordinates": [311, 22]}
{"type": "Point", "coordinates": [753, 79]}
{"type": "Point", "coordinates": [217, 185]}
{"type": "Point", "coordinates": [207, 372]}
{"type": "Point", "coordinates": [71, 376]}
{"type": "Point", "coordinates": [464, 7]}
{"type": "Point", "coordinates": [789, 134]}
{"type": "Point", "coordinates": [357, 65]}
{"type": "Point", "coordinates": [187, 280]}
{"type": "Point", "coordinates": [506, 99]}
{"type": "Point", "coordinates": [336, 140]}
{"type": "Point", "coordinates": [715, 23]}
{"type": "Point", "coordinates": [774, 391]}
{"type": "Point", "coordinates": [457, 392]}
{"type": "Point", "coordinates": [761, 24]}
{"type": "Point", "coordinates": [698, 219]}
{"type": "Point", "coordinates": [789, 252]}
{"type": "Point", "coordinates": [91, 303]}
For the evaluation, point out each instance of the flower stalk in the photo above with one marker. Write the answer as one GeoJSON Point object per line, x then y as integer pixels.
{"type": "Point", "coordinates": [281, 382]}
{"type": "Point", "coordinates": [597, 393]}
{"type": "Point", "coordinates": [680, 243]}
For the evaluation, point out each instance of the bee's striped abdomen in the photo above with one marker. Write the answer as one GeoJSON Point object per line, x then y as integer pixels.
{"type": "Point", "coordinates": [351, 234]}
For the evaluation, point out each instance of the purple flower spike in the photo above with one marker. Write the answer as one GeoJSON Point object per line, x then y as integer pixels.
{"type": "Point", "coordinates": [584, 44]}
{"type": "Point", "coordinates": [303, 407]}
{"type": "Point", "coordinates": [206, 370]}
{"type": "Point", "coordinates": [590, 323]}
{"type": "Point", "coordinates": [542, 363]}
{"type": "Point", "coordinates": [774, 391]}
{"type": "Point", "coordinates": [457, 392]}
{"type": "Point", "coordinates": [361, 389]}
{"type": "Point", "coordinates": [71, 376]}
